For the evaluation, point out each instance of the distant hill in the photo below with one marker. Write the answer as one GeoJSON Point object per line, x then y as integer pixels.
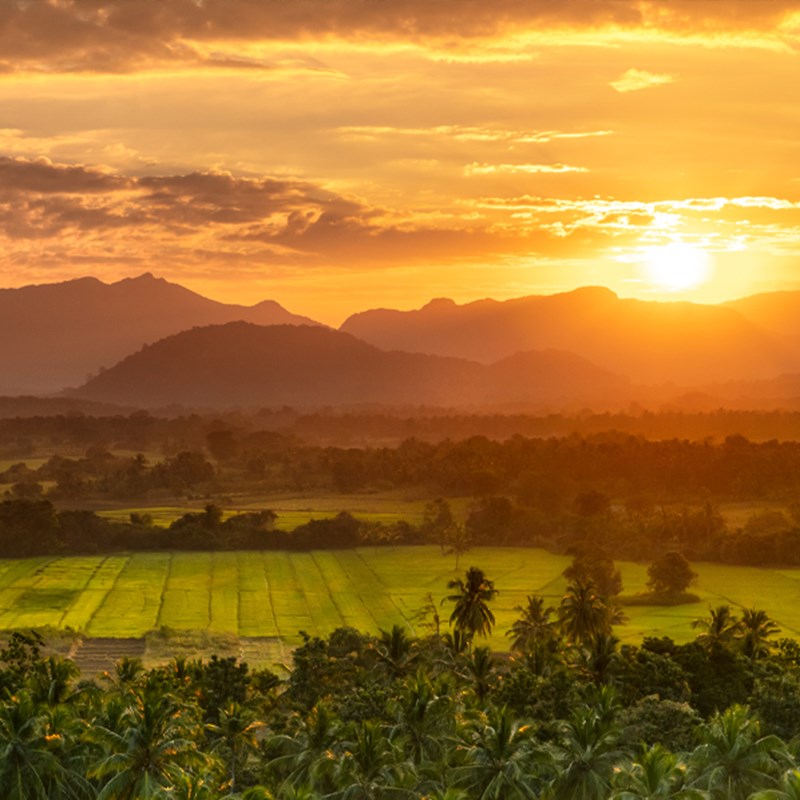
{"type": "Point", "coordinates": [55, 334]}
{"type": "Point", "coordinates": [652, 342]}
{"type": "Point", "coordinates": [240, 364]}
{"type": "Point", "coordinates": [776, 312]}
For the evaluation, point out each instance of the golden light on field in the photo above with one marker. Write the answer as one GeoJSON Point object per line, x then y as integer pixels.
{"type": "Point", "coordinates": [677, 266]}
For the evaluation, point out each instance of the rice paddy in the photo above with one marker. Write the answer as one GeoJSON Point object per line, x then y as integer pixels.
{"type": "Point", "coordinates": [275, 595]}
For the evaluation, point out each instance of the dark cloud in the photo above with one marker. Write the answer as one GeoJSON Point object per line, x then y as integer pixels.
{"type": "Point", "coordinates": [41, 175]}
{"type": "Point", "coordinates": [295, 221]}
{"type": "Point", "coordinates": [123, 35]}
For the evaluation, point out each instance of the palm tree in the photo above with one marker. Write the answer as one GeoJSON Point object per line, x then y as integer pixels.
{"type": "Point", "coordinates": [51, 680]}
{"type": "Point", "coordinates": [587, 752]}
{"type": "Point", "coordinates": [306, 750]}
{"type": "Point", "coordinates": [601, 657]}
{"type": "Point", "coordinates": [757, 626]}
{"type": "Point", "coordinates": [534, 633]}
{"type": "Point", "coordinates": [789, 788]}
{"type": "Point", "coordinates": [471, 614]}
{"type": "Point", "coordinates": [657, 775]}
{"type": "Point", "coordinates": [501, 760]}
{"type": "Point", "coordinates": [422, 719]}
{"type": "Point", "coordinates": [719, 629]}
{"type": "Point", "coordinates": [480, 668]}
{"type": "Point", "coordinates": [395, 650]}
{"type": "Point", "coordinates": [370, 767]}
{"type": "Point", "coordinates": [194, 787]}
{"type": "Point", "coordinates": [236, 732]}
{"type": "Point", "coordinates": [584, 613]}
{"type": "Point", "coordinates": [32, 754]}
{"type": "Point", "coordinates": [733, 760]}
{"type": "Point", "coordinates": [147, 747]}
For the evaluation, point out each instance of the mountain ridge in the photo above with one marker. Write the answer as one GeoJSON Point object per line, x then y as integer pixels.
{"type": "Point", "coordinates": [650, 341]}
{"type": "Point", "coordinates": [64, 331]}
{"type": "Point", "coordinates": [240, 364]}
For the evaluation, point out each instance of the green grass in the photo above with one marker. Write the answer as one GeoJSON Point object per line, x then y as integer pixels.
{"type": "Point", "coordinates": [274, 595]}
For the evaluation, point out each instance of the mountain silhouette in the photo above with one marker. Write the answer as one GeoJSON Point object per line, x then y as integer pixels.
{"type": "Point", "coordinates": [652, 342]}
{"type": "Point", "coordinates": [63, 331]}
{"type": "Point", "coordinates": [244, 365]}
{"type": "Point", "coordinates": [776, 312]}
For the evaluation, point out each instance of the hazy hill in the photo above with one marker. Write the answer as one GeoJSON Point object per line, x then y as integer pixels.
{"type": "Point", "coordinates": [241, 364]}
{"type": "Point", "coordinates": [55, 334]}
{"type": "Point", "coordinates": [776, 312]}
{"type": "Point", "coordinates": [651, 342]}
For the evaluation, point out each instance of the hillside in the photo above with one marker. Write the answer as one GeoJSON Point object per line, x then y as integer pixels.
{"type": "Point", "coordinates": [63, 331]}
{"type": "Point", "coordinates": [240, 364]}
{"type": "Point", "coordinates": [776, 312]}
{"type": "Point", "coordinates": [652, 342]}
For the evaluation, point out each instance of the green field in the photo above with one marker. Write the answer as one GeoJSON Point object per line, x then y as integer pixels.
{"type": "Point", "coordinates": [277, 594]}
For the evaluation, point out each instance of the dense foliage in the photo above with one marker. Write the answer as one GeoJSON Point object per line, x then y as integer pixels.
{"type": "Point", "coordinates": [570, 714]}
{"type": "Point", "coordinates": [546, 470]}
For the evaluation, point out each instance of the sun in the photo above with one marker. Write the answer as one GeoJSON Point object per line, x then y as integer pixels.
{"type": "Point", "coordinates": [677, 266]}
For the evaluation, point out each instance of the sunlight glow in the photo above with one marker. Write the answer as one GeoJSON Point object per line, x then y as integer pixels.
{"type": "Point", "coordinates": [677, 266]}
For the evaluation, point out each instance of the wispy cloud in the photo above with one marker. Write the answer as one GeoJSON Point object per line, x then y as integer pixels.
{"type": "Point", "coordinates": [467, 133]}
{"type": "Point", "coordinates": [636, 79]}
{"type": "Point", "coordinates": [512, 169]}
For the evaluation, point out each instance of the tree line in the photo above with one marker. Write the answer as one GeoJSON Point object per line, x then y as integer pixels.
{"type": "Point", "coordinates": [31, 426]}
{"type": "Point", "coordinates": [636, 531]}
{"type": "Point", "coordinates": [546, 472]}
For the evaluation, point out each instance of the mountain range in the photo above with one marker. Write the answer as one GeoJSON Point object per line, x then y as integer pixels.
{"type": "Point", "coordinates": [163, 344]}
{"type": "Point", "coordinates": [652, 342]}
{"type": "Point", "coordinates": [61, 332]}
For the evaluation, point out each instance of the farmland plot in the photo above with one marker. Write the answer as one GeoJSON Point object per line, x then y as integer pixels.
{"type": "Point", "coordinates": [272, 596]}
{"type": "Point", "coordinates": [132, 606]}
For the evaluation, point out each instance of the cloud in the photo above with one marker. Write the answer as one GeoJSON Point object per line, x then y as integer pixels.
{"type": "Point", "coordinates": [42, 175]}
{"type": "Point", "coordinates": [112, 37]}
{"type": "Point", "coordinates": [465, 133]}
{"type": "Point", "coordinates": [636, 79]}
{"type": "Point", "coordinates": [511, 169]}
{"type": "Point", "coordinates": [53, 213]}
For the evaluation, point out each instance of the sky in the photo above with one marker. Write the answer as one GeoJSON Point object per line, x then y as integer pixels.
{"type": "Point", "coordinates": [337, 155]}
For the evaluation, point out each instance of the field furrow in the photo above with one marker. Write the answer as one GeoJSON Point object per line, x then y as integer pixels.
{"type": "Point", "coordinates": [132, 607]}
{"type": "Point", "coordinates": [322, 609]}
{"type": "Point", "coordinates": [288, 598]}
{"type": "Point", "coordinates": [17, 579]}
{"type": "Point", "coordinates": [256, 614]}
{"type": "Point", "coordinates": [224, 605]}
{"type": "Point", "coordinates": [51, 591]}
{"type": "Point", "coordinates": [343, 593]}
{"type": "Point", "coordinates": [371, 590]}
{"type": "Point", "coordinates": [185, 602]}
{"type": "Point", "coordinates": [93, 594]}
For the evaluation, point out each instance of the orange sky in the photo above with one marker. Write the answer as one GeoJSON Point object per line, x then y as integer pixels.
{"type": "Point", "coordinates": [336, 155]}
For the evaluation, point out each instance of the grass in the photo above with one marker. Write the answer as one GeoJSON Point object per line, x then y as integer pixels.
{"type": "Point", "coordinates": [214, 598]}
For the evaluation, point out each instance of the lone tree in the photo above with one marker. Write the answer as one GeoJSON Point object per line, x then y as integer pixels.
{"type": "Point", "coordinates": [670, 573]}
{"type": "Point", "coordinates": [471, 614]}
